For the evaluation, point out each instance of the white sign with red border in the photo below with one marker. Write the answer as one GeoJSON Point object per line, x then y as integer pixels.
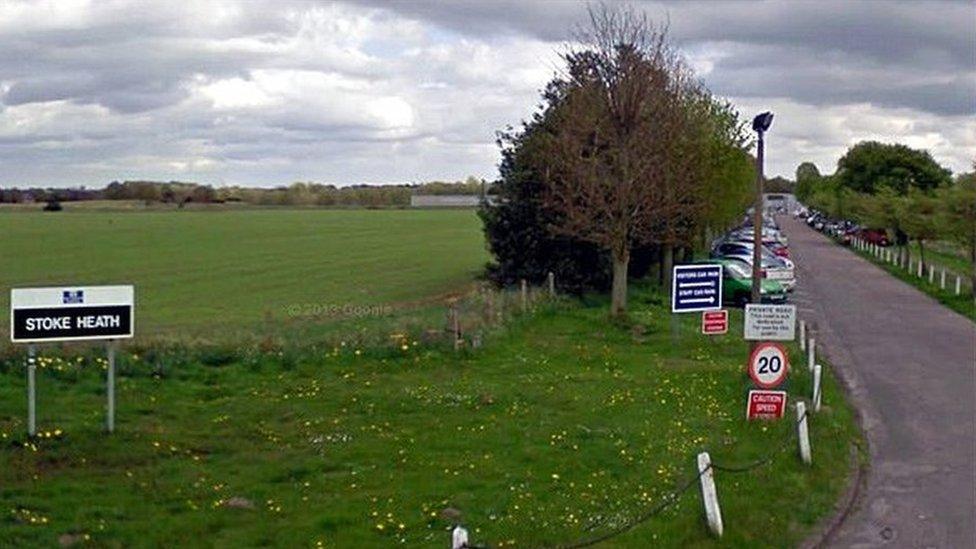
{"type": "Point", "coordinates": [715, 322]}
{"type": "Point", "coordinates": [768, 365]}
{"type": "Point", "coordinates": [765, 404]}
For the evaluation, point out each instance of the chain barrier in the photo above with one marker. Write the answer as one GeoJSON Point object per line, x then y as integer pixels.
{"type": "Point", "coordinates": [673, 498]}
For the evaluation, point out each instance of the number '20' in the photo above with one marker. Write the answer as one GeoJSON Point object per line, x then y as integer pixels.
{"type": "Point", "coordinates": [770, 365]}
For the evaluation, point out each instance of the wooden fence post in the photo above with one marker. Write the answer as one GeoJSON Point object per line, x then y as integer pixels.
{"type": "Point", "coordinates": [552, 284]}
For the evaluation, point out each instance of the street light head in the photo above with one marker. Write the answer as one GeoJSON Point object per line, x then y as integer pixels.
{"type": "Point", "coordinates": [762, 122]}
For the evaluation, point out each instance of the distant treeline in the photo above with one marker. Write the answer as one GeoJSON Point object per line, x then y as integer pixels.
{"type": "Point", "coordinates": [296, 194]}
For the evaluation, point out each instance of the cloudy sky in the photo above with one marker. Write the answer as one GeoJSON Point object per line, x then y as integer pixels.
{"type": "Point", "coordinates": [245, 92]}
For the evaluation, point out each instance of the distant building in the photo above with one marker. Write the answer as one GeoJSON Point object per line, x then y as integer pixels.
{"type": "Point", "coordinates": [446, 200]}
{"type": "Point", "coordinates": [771, 201]}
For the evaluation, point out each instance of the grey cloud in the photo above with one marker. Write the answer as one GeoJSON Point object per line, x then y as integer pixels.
{"type": "Point", "coordinates": [797, 37]}
{"type": "Point", "coordinates": [466, 69]}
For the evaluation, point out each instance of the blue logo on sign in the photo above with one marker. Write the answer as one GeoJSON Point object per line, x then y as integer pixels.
{"type": "Point", "coordinates": [68, 297]}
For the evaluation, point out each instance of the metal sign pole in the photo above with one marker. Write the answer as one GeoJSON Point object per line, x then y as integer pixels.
{"type": "Point", "coordinates": [31, 392]}
{"type": "Point", "coordinates": [110, 419]}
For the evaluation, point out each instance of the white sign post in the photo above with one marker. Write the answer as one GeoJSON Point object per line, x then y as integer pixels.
{"type": "Point", "coordinates": [770, 322]}
{"type": "Point", "coordinates": [76, 313]}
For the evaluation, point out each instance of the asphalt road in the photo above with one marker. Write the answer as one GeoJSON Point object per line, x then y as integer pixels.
{"type": "Point", "coordinates": [910, 366]}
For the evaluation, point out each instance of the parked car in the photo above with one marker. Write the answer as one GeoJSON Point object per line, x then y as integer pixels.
{"type": "Point", "coordinates": [737, 285]}
{"type": "Point", "coordinates": [744, 247]}
{"type": "Point", "coordinates": [874, 236]}
{"type": "Point", "coordinates": [770, 268]}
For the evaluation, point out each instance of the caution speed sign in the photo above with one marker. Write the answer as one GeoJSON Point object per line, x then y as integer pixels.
{"type": "Point", "coordinates": [768, 365]}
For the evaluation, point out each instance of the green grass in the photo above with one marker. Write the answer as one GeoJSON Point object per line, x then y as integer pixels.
{"type": "Point", "coordinates": [962, 303]}
{"type": "Point", "coordinates": [562, 426]}
{"type": "Point", "coordinates": [945, 255]}
{"type": "Point", "coordinates": [215, 273]}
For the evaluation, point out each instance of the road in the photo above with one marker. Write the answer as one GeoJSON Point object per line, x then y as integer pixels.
{"type": "Point", "coordinates": [910, 366]}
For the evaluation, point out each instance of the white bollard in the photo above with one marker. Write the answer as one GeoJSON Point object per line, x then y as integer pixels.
{"type": "Point", "coordinates": [817, 386]}
{"type": "Point", "coordinates": [459, 538]}
{"type": "Point", "coordinates": [811, 353]}
{"type": "Point", "coordinates": [803, 335]}
{"type": "Point", "coordinates": [931, 274]}
{"type": "Point", "coordinates": [942, 281]}
{"type": "Point", "coordinates": [920, 265]}
{"type": "Point", "coordinates": [713, 514]}
{"type": "Point", "coordinates": [909, 264]}
{"type": "Point", "coordinates": [803, 433]}
{"type": "Point", "coordinates": [958, 284]}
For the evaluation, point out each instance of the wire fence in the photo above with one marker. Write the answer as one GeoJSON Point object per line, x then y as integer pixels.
{"type": "Point", "coordinates": [470, 316]}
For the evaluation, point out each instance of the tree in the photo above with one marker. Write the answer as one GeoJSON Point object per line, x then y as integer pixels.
{"type": "Point", "coordinates": [517, 223]}
{"type": "Point", "coordinates": [778, 184]}
{"type": "Point", "coordinates": [612, 178]}
{"type": "Point", "coordinates": [807, 179]}
{"type": "Point", "coordinates": [885, 209]}
{"type": "Point", "coordinates": [958, 217]}
{"type": "Point", "coordinates": [870, 165]}
{"type": "Point", "coordinates": [920, 219]}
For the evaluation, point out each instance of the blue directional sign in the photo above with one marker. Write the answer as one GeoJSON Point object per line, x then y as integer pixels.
{"type": "Point", "coordinates": [696, 288]}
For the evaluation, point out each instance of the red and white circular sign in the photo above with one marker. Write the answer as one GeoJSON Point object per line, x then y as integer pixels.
{"type": "Point", "coordinates": [768, 365]}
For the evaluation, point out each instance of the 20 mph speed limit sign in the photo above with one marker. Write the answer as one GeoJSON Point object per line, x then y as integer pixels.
{"type": "Point", "coordinates": [768, 365]}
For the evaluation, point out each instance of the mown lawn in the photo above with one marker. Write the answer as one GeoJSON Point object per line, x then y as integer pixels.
{"type": "Point", "coordinates": [560, 427]}
{"type": "Point", "coordinates": [212, 274]}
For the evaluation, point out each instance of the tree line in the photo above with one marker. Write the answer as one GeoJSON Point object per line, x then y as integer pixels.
{"type": "Point", "coordinates": [296, 194]}
{"type": "Point", "coordinates": [899, 189]}
{"type": "Point", "coordinates": [629, 163]}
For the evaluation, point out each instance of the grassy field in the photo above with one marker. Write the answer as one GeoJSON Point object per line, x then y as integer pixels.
{"type": "Point", "coordinates": [962, 303]}
{"type": "Point", "coordinates": [560, 427]}
{"type": "Point", "coordinates": [213, 273]}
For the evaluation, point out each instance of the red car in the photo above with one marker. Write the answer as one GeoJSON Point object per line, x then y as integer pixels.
{"type": "Point", "coordinates": [874, 236]}
{"type": "Point", "coordinates": [777, 248]}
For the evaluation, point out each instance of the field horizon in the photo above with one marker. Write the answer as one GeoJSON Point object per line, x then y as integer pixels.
{"type": "Point", "coordinates": [210, 273]}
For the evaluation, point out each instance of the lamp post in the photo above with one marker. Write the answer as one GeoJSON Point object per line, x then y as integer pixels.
{"type": "Point", "coordinates": [760, 124]}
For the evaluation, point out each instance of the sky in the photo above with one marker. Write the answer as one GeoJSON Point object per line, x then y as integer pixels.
{"type": "Point", "coordinates": [267, 93]}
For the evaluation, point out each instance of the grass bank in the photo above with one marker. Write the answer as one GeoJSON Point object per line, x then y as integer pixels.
{"type": "Point", "coordinates": [560, 427]}
{"type": "Point", "coordinates": [962, 303]}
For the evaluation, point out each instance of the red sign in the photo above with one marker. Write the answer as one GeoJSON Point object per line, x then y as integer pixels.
{"type": "Point", "coordinates": [715, 322]}
{"type": "Point", "coordinates": [768, 365]}
{"type": "Point", "coordinates": [766, 404]}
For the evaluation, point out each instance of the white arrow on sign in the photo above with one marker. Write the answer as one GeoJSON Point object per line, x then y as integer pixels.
{"type": "Point", "coordinates": [694, 284]}
{"type": "Point", "coordinates": [709, 300]}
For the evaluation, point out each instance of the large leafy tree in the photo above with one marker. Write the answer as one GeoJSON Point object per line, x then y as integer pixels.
{"type": "Point", "coordinates": [517, 222]}
{"type": "Point", "coordinates": [628, 154]}
{"type": "Point", "coordinates": [958, 215]}
{"type": "Point", "coordinates": [870, 165]}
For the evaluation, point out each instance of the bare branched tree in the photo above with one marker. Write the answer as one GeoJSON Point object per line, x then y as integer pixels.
{"type": "Point", "coordinates": [622, 164]}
